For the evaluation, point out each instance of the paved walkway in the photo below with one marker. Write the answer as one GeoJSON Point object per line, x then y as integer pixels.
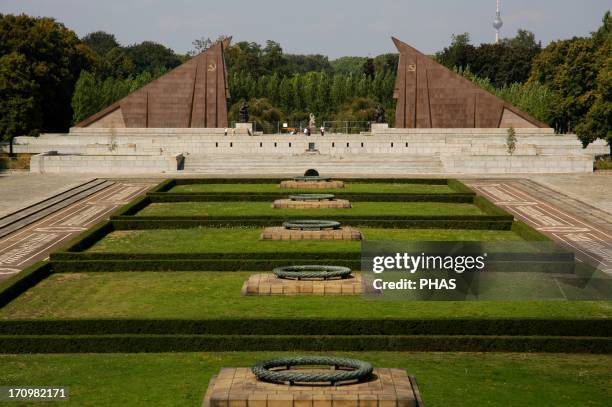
{"type": "Point", "coordinates": [34, 242]}
{"type": "Point", "coordinates": [22, 189]}
{"type": "Point", "coordinates": [581, 227]}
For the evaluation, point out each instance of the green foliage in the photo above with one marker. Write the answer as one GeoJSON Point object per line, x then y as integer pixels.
{"type": "Point", "coordinates": [47, 58]}
{"type": "Point", "coordinates": [19, 112]}
{"type": "Point", "coordinates": [579, 70]}
{"type": "Point", "coordinates": [532, 97]}
{"type": "Point", "coordinates": [346, 65]}
{"type": "Point", "coordinates": [101, 42]}
{"type": "Point", "coordinates": [262, 114]}
{"type": "Point", "coordinates": [358, 109]}
{"type": "Point", "coordinates": [149, 56]}
{"type": "Point", "coordinates": [92, 94]}
{"type": "Point", "coordinates": [511, 140]}
{"type": "Point", "coordinates": [503, 64]}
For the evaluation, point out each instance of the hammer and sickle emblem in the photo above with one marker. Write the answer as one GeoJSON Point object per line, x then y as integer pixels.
{"type": "Point", "coordinates": [212, 67]}
{"type": "Point", "coordinates": [411, 68]}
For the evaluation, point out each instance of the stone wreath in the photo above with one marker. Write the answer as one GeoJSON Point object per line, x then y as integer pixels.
{"type": "Point", "coordinates": [311, 179]}
{"type": "Point", "coordinates": [345, 370]}
{"type": "Point", "coordinates": [312, 197]}
{"type": "Point", "coordinates": [312, 272]}
{"type": "Point", "coordinates": [311, 224]}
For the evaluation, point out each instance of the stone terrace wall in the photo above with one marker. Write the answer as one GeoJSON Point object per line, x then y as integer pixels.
{"type": "Point", "coordinates": [101, 164]}
{"type": "Point", "coordinates": [453, 150]}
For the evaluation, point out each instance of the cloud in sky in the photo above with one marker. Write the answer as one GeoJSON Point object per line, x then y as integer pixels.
{"type": "Point", "coordinates": [330, 27]}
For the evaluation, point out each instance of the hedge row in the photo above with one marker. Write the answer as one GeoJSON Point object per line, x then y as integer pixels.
{"type": "Point", "coordinates": [271, 196]}
{"type": "Point", "coordinates": [421, 181]}
{"type": "Point", "coordinates": [292, 326]}
{"type": "Point", "coordinates": [22, 281]}
{"type": "Point", "coordinates": [213, 343]}
{"type": "Point", "coordinates": [225, 264]}
{"type": "Point", "coordinates": [488, 223]}
{"type": "Point", "coordinates": [352, 256]}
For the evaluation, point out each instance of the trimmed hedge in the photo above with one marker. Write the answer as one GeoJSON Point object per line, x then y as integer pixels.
{"type": "Point", "coordinates": [224, 264]}
{"type": "Point", "coordinates": [271, 196]}
{"type": "Point", "coordinates": [460, 222]}
{"type": "Point", "coordinates": [22, 281]}
{"type": "Point", "coordinates": [57, 256]}
{"type": "Point", "coordinates": [290, 326]}
{"type": "Point", "coordinates": [189, 181]}
{"type": "Point", "coordinates": [212, 343]}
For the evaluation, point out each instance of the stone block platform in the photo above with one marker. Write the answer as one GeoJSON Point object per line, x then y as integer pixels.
{"type": "Point", "coordinates": [326, 204]}
{"type": "Point", "coordinates": [269, 284]}
{"type": "Point", "coordinates": [280, 233]}
{"type": "Point", "coordinates": [238, 387]}
{"type": "Point", "coordinates": [312, 184]}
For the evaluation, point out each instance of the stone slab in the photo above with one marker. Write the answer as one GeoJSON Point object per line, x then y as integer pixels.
{"type": "Point", "coordinates": [238, 387]}
{"type": "Point", "coordinates": [269, 284]}
{"type": "Point", "coordinates": [280, 233]}
{"type": "Point", "coordinates": [312, 184]}
{"type": "Point", "coordinates": [325, 204]}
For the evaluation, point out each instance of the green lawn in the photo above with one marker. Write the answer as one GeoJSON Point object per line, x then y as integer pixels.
{"type": "Point", "coordinates": [239, 240]}
{"type": "Point", "coordinates": [445, 379]}
{"type": "Point", "coordinates": [349, 187]}
{"type": "Point", "coordinates": [216, 295]}
{"type": "Point", "coordinates": [265, 209]}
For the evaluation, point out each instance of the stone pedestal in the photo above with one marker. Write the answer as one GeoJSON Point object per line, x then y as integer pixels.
{"type": "Point", "coordinates": [379, 126]}
{"type": "Point", "coordinates": [269, 284]}
{"type": "Point", "coordinates": [312, 184]}
{"type": "Point", "coordinates": [328, 204]}
{"type": "Point", "coordinates": [238, 387]}
{"type": "Point", "coordinates": [280, 233]}
{"type": "Point", "coordinates": [247, 126]}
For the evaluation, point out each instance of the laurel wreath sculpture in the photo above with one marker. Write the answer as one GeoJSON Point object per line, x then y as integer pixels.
{"type": "Point", "coordinates": [311, 179]}
{"type": "Point", "coordinates": [311, 272]}
{"type": "Point", "coordinates": [311, 224]}
{"type": "Point", "coordinates": [312, 197]}
{"type": "Point", "coordinates": [345, 370]}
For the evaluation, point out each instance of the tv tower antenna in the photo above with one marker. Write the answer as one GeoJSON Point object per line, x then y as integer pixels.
{"type": "Point", "coordinates": [497, 23]}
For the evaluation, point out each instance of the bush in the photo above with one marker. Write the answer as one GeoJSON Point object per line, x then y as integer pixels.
{"type": "Point", "coordinates": [225, 343]}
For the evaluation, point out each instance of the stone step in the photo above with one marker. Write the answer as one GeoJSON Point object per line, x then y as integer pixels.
{"type": "Point", "coordinates": [33, 213]}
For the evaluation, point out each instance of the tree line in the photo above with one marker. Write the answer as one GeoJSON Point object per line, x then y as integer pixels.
{"type": "Point", "coordinates": [51, 79]}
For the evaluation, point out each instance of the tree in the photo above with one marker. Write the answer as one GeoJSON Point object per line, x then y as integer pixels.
{"type": "Point", "coordinates": [578, 71]}
{"type": "Point", "coordinates": [261, 112]}
{"type": "Point", "coordinates": [149, 55]}
{"type": "Point", "coordinates": [203, 43]}
{"type": "Point", "coordinates": [101, 42]}
{"type": "Point", "coordinates": [19, 112]}
{"type": "Point", "coordinates": [460, 53]}
{"type": "Point", "coordinates": [358, 109]}
{"type": "Point", "coordinates": [52, 56]}
{"type": "Point", "coordinates": [504, 63]}
{"type": "Point", "coordinates": [352, 65]}
{"type": "Point", "coordinates": [369, 70]}
{"type": "Point", "coordinates": [337, 92]}
{"type": "Point", "coordinates": [86, 99]}
{"type": "Point", "coordinates": [286, 94]}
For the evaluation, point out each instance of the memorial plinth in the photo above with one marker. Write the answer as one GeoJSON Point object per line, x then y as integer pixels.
{"type": "Point", "coordinates": [281, 233]}
{"type": "Point", "coordinates": [311, 184]}
{"type": "Point", "coordinates": [269, 284]}
{"type": "Point", "coordinates": [238, 387]}
{"type": "Point", "coordinates": [326, 204]}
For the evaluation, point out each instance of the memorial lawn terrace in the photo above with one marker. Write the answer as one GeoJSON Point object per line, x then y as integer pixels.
{"type": "Point", "coordinates": [164, 274]}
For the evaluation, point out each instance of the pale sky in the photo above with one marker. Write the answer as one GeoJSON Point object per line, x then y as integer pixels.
{"type": "Point", "coordinates": [329, 27]}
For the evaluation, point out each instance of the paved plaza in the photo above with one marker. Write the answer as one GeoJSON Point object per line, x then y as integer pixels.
{"type": "Point", "coordinates": [34, 242]}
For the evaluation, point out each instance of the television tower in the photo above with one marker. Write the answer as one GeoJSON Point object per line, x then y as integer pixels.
{"type": "Point", "coordinates": [497, 23]}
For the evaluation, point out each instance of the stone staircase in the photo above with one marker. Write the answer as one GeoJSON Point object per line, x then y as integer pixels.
{"type": "Point", "coordinates": [28, 215]}
{"type": "Point", "coordinates": [348, 165]}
